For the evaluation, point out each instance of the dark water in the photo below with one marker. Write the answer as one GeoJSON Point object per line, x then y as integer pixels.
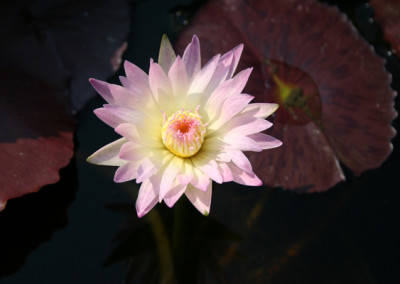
{"type": "Point", "coordinates": [64, 233]}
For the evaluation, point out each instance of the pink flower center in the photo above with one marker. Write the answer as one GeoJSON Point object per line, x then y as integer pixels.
{"type": "Point", "coordinates": [183, 133]}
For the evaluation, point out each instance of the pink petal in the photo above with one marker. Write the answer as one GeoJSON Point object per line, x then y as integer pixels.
{"type": "Point", "coordinates": [114, 115]}
{"type": "Point", "coordinates": [241, 161]}
{"type": "Point", "coordinates": [200, 180]}
{"type": "Point", "coordinates": [125, 114]}
{"type": "Point", "coordinates": [179, 81]}
{"type": "Point", "coordinates": [107, 117]}
{"type": "Point", "coordinates": [200, 199]}
{"type": "Point", "coordinates": [243, 177]}
{"type": "Point", "coordinates": [232, 87]}
{"type": "Point", "coordinates": [168, 176]}
{"type": "Point", "coordinates": [231, 107]}
{"type": "Point", "coordinates": [108, 155]}
{"type": "Point", "coordinates": [138, 104]}
{"type": "Point", "coordinates": [237, 157]}
{"type": "Point", "coordinates": [160, 85]}
{"type": "Point", "coordinates": [207, 165]}
{"type": "Point", "coordinates": [167, 55]}
{"type": "Point", "coordinates": [126, 172]}
{"type": "Point", "coordinates": [131, 86]}
{"type": "Point", "coordinates": [225, 172]}
{"type": "Point", "coordinates": [137, 77]}
{"type": "Point", "coordinates": [191, 57]}
{"type": "Point", "coordinates": [239, 142]}
{"type": "Point", "coordinates": [244, 125]}
{"type": "Point", "coordinates": [174, 194]}
{"type": "Point", "coordinates": [220, 74]}
{"type": "Point", "coordinates": [139, 134]}
{"type": "Point", "coordinates": [147, 198]}
{"type": "Point", "coordinates": [131, 152]}
{"type": "Point", "coordinates": [129, 131]}
{"type": "Point", "coordinates": [213, 104]}
{"type": "Point", "coordinates": [223, 156]}
{"type": "Point", "coordinates": [103, 89]}
{"type": "Point", "coordinates": [123, 96]}
{"type": "Point", "coordinates": [203, 77]}
{"type": "Point", "coordinates": [147, 169]}
{"type": "Point", "coordinates": [187, 174]}
{"type": "Point", "coordinates": [265, 141]}
{"type": "Point", "coordinates": [224, 70]}
{"type": "Point", "coordinates": [236, 52]}
{"type": "Point", "coordinates": [262, 110]}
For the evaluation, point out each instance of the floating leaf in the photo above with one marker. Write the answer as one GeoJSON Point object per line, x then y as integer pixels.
{"type": "Point", "coordinates": [78, 37]}
{"type": "Point", "coordinates": [336, 104]}
{"type": "Point", "coordinates": [49, 50]}
{"type": "Point", "coordinates": [36, 138]}
{"type": "Point", "coordinates": [387, 13]}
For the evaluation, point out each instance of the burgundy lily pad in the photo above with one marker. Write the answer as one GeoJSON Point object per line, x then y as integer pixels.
{"type": "Point", "coordinates": [336, 104]}
{"type": "Point", "coordinates": [86, 35]}
{"type": "Point", "coordinates": [387, 14]}
{"type": "Point", "coordinates": [49, 50]}
{"type": "Point", "coordinates": [36, 138]}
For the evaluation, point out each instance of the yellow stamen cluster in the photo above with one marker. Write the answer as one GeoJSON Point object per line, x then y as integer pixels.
{"type": "Point", "coordinates": [183, 133]}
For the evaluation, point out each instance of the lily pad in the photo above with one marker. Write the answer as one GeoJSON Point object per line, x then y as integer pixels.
{"type": "Point", "coordinates": [336, 104]}
{"type": "Point", "coordinates": [36, 139]}
{"type": "Point", "coordinates": [78, 37]}
{"type": "Point", "coordinates": [387, 14]}
{"type": "Point", "coordinates": [49, 50]}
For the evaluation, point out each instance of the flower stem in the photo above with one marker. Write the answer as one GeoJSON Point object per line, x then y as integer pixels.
{"type": "Point", "coordinates": [163, 247]}
{"type": "Point", "coordinates": [179, 220]}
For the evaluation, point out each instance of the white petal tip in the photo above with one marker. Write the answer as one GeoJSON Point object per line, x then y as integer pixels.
{"type": "Point", "coordinates": [170, 205]}
{"type": "Point", "coordinates": [127, 63]}
{"type": "Point", "coordinates": [275, 107]}
{"type": "Point", "coordinates": [140, 214]}
{"type": "Point", "coordinates": [118, 180]}
{"type": "Point", "coordinates": [90, 160]}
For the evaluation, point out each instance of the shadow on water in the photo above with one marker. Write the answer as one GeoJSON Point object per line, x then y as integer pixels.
{"type": "Point", "coordinates": [30, 220]}
{"type": "Point", "coordinates": [265, 235]}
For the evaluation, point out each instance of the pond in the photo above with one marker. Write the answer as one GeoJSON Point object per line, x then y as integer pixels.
{"type": "Point", "coordinates": [84, 228]}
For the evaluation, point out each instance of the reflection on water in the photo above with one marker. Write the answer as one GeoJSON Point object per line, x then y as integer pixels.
{"type": "Point", "coordinates": [169, 246]}
{"type": "Point", "coordinates": [263, 236]}
{"type": "Point", "coordinates": [31, 220]}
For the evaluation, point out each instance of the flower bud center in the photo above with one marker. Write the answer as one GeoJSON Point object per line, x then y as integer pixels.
{"type": "Point", "coordinates": [183, 133]}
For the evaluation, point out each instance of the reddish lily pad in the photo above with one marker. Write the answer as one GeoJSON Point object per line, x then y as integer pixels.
{"type": "Point", "coordinates": [336, 104]}
{"type": "Point", "coordinates": [49, 50]}
{"type": "Point", "coordinates": [387, 14]}
{"type": "Point", "coordinates": [36, 139]}
{"type": "Point", "coordinates": [82, 36]}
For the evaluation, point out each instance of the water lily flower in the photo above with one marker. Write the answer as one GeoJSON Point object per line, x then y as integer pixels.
{"type": "Point", "coordinates": [183, 126]}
